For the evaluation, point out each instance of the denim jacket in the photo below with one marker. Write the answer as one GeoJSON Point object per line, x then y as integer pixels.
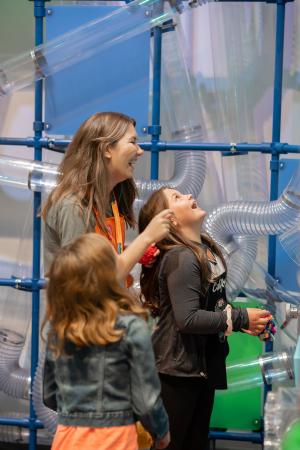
{"type": "Point", "coordinates": [105, 386]}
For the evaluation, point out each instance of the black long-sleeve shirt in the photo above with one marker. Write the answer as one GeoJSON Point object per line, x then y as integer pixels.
{"type": "Point", "coordinates": [187, 338]}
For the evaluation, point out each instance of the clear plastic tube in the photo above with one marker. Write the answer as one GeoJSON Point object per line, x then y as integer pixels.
{"type": "Point", "coordinates": [81, 43]}
{"type": "Point", "coordinates": [37, 176]}
{"type": "Point", "coordinates": [240, 263]}
{"type": "Point", "coordinates": [281, 413]}
{"type": "Point", "coordinates": [277, 367]}
{"type": "Point", "coordinates": [240, 42]}
{"type": "Point", "coordinates": [184, 123]}
{"type": "Point", "coordinates": [251, 176]}
{"type": "Point", "coordinates": [268, 288]}
{"type": "Point", "coordinates": [290, 241]}
{"type": "Point", "coordinates": [267, 368]}
{"type": "Point", "coordinates": [182, 117]}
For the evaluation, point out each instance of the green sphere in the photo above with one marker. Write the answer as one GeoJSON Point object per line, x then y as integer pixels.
{"type": "Point", "coordinates": [291, 439]}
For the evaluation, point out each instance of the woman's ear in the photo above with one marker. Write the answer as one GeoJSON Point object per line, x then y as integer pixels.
{"type": "Point", "coordinates": [107, 153]}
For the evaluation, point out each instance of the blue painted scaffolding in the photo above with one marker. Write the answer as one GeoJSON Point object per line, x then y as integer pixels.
{"type": "Point", "coordinates": [38, 142]}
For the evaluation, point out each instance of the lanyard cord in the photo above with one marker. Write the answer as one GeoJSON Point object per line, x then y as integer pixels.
{"type": "Point", "coordinates": [116, 214]}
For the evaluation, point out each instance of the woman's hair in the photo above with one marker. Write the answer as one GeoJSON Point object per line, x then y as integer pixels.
{"type": "Point", "coordinates": [149, 287]}
{"type": "Point", "coordinates": [84, 296]}
{"type": "Point", "coordinates": [83, 172]}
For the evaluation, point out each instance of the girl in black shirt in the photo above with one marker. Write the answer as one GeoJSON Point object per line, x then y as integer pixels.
{"type": "Point", "coordinates": [185, 288]}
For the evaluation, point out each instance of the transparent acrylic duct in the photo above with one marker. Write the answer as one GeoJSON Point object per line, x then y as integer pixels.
{"type": "Point", "coordinates": [282, 411]}
{"type": "Point", "coordinates": [268, 368]}
{"type": "Point", "coordinates": [34, 175]}
{"type": "Point", "coordinates": [81, 43]}
{"type": "Point", "coordinates": [182, 118]}
{"type": "Point", "coordinates": [290, 241]}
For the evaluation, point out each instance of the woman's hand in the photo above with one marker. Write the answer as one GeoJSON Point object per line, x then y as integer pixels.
{"type": "Point", "coordinates": [258, 319]}
{"type": "Point", "coordinates": [159, 227]}
{"type": "Point", "coordinates": [164, 442]}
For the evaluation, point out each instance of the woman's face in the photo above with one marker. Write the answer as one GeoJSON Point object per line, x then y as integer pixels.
{"type": "Point", "coordinates": [122, 157]}
{"type": "Point", "coordinates": [184, 207]}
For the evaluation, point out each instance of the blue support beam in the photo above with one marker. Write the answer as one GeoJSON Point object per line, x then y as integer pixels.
{"type": "Point", "coordinates": [24, 423]}
{"type": "Point", "coordinates": [24, 284]}
{"type": "Point", "coordinates": [276, 122]}
{"type": "Point", "coordinates": [236, 436]}
{"type": "Point", "coordinates": [155, 130]}
{"type": "Point", "coordinates": [38, 126]}
{"type": "Point", "coordinates": [276, 128]}
{"type": "Point", "coordinates": [59, 145]}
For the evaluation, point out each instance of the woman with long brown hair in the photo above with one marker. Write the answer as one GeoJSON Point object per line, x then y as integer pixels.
{"type": "Point", "coordinates": [99, 372]}
{"type": "Point", "coordinates": [96, 191]}
{"type": "Point", "coordinates": [186, 289]}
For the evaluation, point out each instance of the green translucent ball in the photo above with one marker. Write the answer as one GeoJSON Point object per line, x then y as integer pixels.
{"type": "Point", "coordinates": [291, 439]}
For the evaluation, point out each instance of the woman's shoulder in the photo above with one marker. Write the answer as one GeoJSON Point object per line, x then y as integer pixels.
{"type": "Point", "coordinates": [64, 204]}
{"type": "Point", "coordinates": [69, 201]}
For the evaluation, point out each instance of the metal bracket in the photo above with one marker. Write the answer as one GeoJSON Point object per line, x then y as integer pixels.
{"type": "Point", "coordinates": [275, 165]}
{"type": "Point", "coordinates": [38, 126]}
{"type": "Point", "coordinates": [153, 129]}
{"type": "Point", "coordinates": [39, 8]}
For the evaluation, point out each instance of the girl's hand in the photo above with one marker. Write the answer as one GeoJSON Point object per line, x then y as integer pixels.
{"type": "Point", "coordinates": [159, 227]}
{"type": "Point", "coordinates": [164, 442]}
{"type": "Point", "coordinates": [258, 319]}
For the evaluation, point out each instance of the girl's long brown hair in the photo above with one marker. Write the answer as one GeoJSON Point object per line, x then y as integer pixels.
{"type": "Point", "coordinates": [84, 296]}
{"type": "Point", "coordinates": [83, 173]}
{"type": "Point", "coordinates": [149, 275]}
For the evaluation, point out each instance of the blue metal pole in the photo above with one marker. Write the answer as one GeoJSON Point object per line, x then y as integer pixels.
{"type": "Point", "coordinates": [24, 423]}
{"type": "Point", "coordinates": [235, 436]}
{"type": "Point", "coordinates": [155, 128]}
{"type": "Point", "coordinates": [276, 125]}
{"type": "Point", "coordinates": [25, 284]}
{"type": "Point", "coordinates": [277, 96]}
{"type": "Point", "coordinates": [39, 13]}
{"type": "Point", "coordinates": [59, 145]}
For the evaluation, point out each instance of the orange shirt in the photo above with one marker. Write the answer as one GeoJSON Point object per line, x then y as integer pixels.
{"type": "Point", "coordinates": [85, 438]}
{"type": "Point", "coordinates": [112, 236]}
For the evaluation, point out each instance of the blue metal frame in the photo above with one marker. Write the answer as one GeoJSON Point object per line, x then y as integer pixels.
{"type": "Point", "coordinates": [275, 148]}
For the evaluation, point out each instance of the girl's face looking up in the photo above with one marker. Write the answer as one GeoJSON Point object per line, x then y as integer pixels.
{"type": "Point", "coordinates": [184, 207]}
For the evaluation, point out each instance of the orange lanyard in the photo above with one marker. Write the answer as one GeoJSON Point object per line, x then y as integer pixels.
{"type": "Point", "coordinates": [116, 214]}
{"type": "Point", "coordinates": [118, 227]}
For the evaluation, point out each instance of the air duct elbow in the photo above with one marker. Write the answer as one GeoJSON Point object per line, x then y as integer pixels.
{"type": "Point", "coordinates": [14, 380]}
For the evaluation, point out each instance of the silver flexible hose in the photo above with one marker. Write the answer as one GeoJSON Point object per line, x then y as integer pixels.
{"type": "Point", "coordinates": [226, 222]}
{"type": "Point", "coordinates": [46, 415]}
{"type": "Point", "coordinates": [14, 380]}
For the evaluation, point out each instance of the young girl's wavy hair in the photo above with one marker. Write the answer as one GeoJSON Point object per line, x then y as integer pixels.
{"type": "Point", "coordinates": [156, 203]}
{"type": "Point", "coordinates": [84, 296]}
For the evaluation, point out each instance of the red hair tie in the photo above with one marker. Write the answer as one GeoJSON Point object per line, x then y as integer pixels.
{"type": "Point", "coordinates": [149, 257]}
